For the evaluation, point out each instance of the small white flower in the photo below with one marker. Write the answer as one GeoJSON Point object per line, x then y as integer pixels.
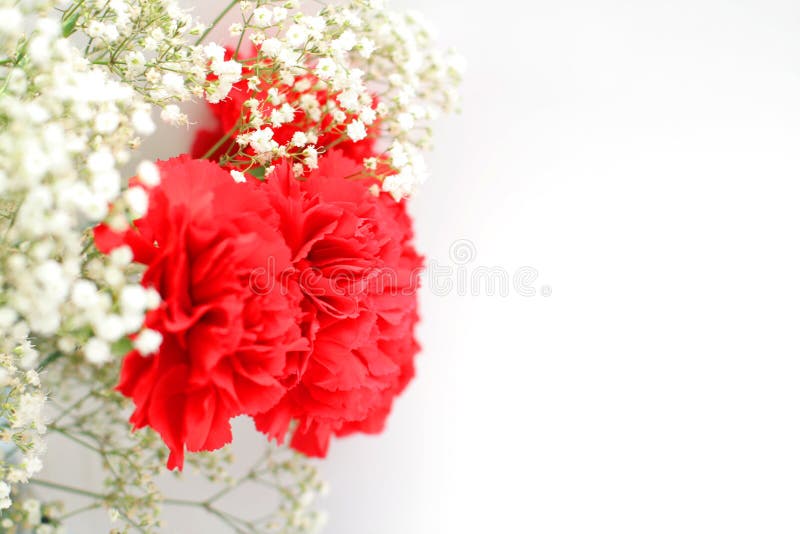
{"type": "Point", "coordinates": [349, 99]}
{"type": "Point", "coordinates": [315, 25]}
{"type": "Point", "coordinates": [110, 33]}
{"type": "Point", "coordinates": [135, 63]}
{"type": "Point", "coordinates": [121, 256]}
{"type": "Point", "coordinates": [261, 140]}
{"type": "Point", "coordinates": [137, 201]}
{"type": "Point", "coordinates": [325, 69]}
{"type": "Point", "coordinates": [367, 115]}
{"type": "Point", "coordinates": [262, 17]}
{"type": "Point", "coordinates": [84, 294]}
{"type": "Point", "coordinates": [10, 21]}
{"type": "Point", "coordinates": [172, 115]}
{"type": "Point", "coordinates": [133, 299]}
{"type": "Point", "coordinates": [32, 465]}
{"type": "Point", "coordinates": [29, 410]}
{"type": "Point", "coordinates": [147, 342]}
{"type": "Point", "coordinates": [356, 131]}
{"type": "Point", "coordinates": [282, 115]}
{"type": "Point", "coordinates": [114, 277]}
{"type": "Point", "coordinates": [398, 155]}
{"type": "Point", "coordinates": [94, 29]}
{"type": "Point", "coordinates": [214, 52]}
{"type": "Point", "coordinates": [110, 328]}
{"type": "Point", "coordinates": [32, 377]}
{"type": "Point", "coordinates": [148, 173]}
{"type": "Point", "coordinates": [107, 185]}
{"type": "Point", "coordinates": [153, 298]}
{"type": "Point", "coordinates": [299, 139]}
{"type": "Point", "coordinates": [279, 14]}
{"type": "Point", "coordinates": [106, 122]}
{"type": "Point", "coordinates": [100, 161]}
{"type": "Point", "coordinates": [271, 47]}
{"type": "Point", "coordinates": [97, 351]}
{"type": "Point", "coordinates": [289, 58]}
{"type": "Point", "coordinates": [173, 83]}
{"type": "Point", "coordinates": [345, 42]}
{"type": "Point", "coordinates": [296, 35]}
{"type": "Point", "coordinates": [142, 122]}
{"type": "Point", "coordinates": [113, 515]}
{"type": "Point", "coordinates": [366, 47]}
{"type": "Point", "coordinates": [238, 177]}
{"type": "Point", "coordinates": [405, 121]}
{"type": "Point", "coordinates": [229, 71]}
{"type": "Point", "coordinates": [95, 207]}
{"type": "Point", "coordinates": [311, 157]}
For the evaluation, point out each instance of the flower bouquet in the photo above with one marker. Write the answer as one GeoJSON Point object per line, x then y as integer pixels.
{"type": "Point", "coordinates": [268, 273]}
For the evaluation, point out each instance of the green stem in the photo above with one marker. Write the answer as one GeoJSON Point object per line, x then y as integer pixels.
{"type": "Point", "coordinates": [241, 37]}
{"type": "Point", "coordinates": [131, 523]}
{"type": "Point", "coordinates": [72, 406]}
{"type": "Point", "coordinates": [76, 439]}
{"type": "Point", "coordinates": [50, 359]}
{"type": "Point", "coordinates": [79, 511]}
{"type": "Point", "coordinates": [183, 502]}
{"type": "Point", "coordinates": [216, 21]}
{"type": "Point", "coordinates": [221, 142]}
{"type": "Point", "coordinates": [66, 489]}
{"type": "Point", "coordinates": [71, 11]}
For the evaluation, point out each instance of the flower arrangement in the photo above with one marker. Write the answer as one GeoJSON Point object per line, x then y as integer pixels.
{"type": "Point", "coordinates": [268, 273]}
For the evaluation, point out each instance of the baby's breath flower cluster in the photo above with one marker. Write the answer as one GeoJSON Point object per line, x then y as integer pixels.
{"type": "Point", "coordinates": [289, 476]}
{"type": "Point", "coordinates": [150, 45]}
{"type": "Point", "coordinates": [80, 81]}
{"type": "Point", "coordinates": [22, 423]}
{"type": "Point", "coordinates": [299, 483]}
{"type": "Point", "coordinates": [29, 515]}
{"type": "Point", "coordinates": [386, 79]}
{"type": "Point", "coordinates": [414, 81]}
{"type": "Point", "coordinates": [94, 418]}
{"type": "Point", "coordinates": [65, 129]}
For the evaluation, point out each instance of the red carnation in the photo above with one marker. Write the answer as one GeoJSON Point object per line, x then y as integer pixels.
{"type": "Point", "coordinates": [359, 273]}
{"type": "Point", "coordinates": [223, 344]}
{"type": "Point", "coordinates": [228, 112]}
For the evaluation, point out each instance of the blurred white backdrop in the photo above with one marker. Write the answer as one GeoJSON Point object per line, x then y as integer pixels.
{"type": "Point", "coordinates": [643, 157]}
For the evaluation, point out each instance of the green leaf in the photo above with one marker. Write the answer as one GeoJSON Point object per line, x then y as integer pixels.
{"type": "Point", "coordinates": [68, 26]}
{"type": "Point", "coordinates": [258, 172]}
{"type": "Point", "coordinates": [122, 347]}
{"type": "Point", "coordinates": [53, 356]}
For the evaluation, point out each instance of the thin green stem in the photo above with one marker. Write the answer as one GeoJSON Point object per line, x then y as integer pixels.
{"type": "Point", "coordinates": [76, 440]}
{"type": "Point", "coordinates": [73, 406]}
{"type": "Point", "coordinates": [131, 523]}
{"type": "Point", "coordinates": [183, 502]}
{"type": "Point", "coordinates": [71, 11]}
{"type": "Point", "coordinates": [215, 22]}
{"type": "Point", "coordinates": [66, 489]}
{"type": "Point", "coordinates": [221, 142]}
{"type": "Point", "coordinates": [241, 37]}
{"type": "Point", "coordinates": [79, 511]}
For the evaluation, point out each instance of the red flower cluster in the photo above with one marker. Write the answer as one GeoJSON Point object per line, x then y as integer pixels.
{"type": "Point", "coordinates": [223, 344]}
{"type": "Point", "coordinates": [283, 300]}
{"type": "Point", "coordinates": [228, 112]}
{"type": "Point", "coordinates": [359, 275]}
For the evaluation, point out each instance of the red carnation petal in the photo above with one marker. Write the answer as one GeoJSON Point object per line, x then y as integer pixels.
{"type": "Point", "coordinates": [312, 440]}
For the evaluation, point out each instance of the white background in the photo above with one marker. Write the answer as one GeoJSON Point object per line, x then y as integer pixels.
{"type": "Point", "coordinates": [643, 157]}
